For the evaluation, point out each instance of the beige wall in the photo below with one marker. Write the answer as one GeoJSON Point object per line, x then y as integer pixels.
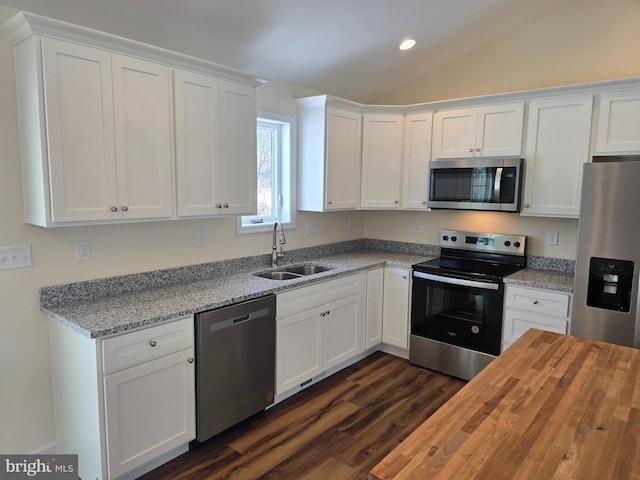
{"type": "Point", "coordinates": [579, 41]}
{"type": "Point", "coordinates": [573, 35]}
{"type": "Point", "coordinates": [26, 409]}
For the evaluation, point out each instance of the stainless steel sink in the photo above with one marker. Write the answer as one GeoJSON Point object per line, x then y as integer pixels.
{"type": "Point", "coordinates": [274, 275]}
{"type": "Point", "coordinates": [308, 269]}
{"type": "Point", "coordinates": [293, 271]}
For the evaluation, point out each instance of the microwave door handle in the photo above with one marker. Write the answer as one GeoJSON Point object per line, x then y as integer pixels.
{"type": "Point", "coordinates": [496, 185]}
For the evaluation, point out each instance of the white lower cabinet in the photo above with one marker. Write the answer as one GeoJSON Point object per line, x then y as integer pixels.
{"type": "Point", "coordinates": [527, 308]}
{"type": "Point", "coordinates": [375, 294]}
{"type": "Point", "coordinates": [125, 404]}
{"type": "Point", "coordinates": [395, 316]}
{"type": "Point", "coordinates": [317, 328]}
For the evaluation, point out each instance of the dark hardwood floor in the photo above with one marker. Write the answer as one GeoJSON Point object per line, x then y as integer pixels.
{"type": "Point", "coordinates": [337, 429]}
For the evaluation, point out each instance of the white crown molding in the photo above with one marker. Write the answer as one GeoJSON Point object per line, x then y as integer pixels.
{"type": "Point", "coordinates": [23, 25]}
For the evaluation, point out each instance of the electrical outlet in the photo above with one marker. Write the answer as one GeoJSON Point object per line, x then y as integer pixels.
{"type": "Point", "coordinates": [311, 228]}
{"type": "Point", "coordinates": [203, 238]}
{"type": "Point", "coordinates": [552, 237]}
{"type": "Point", "coordinates": [417, 227]}
{"type": "Point", "coordinates": [349, 224]}
{"type": "Point", "coordinates": [83, 251]}
{"type": "Point", "coordinates": [15, 257]}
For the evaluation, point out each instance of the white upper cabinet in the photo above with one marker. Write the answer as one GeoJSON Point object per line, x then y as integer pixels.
{"type": "Point", "coordinates": [215, 157]}
{"type": "Point", "coordinates": [382, 141]}
{"type": "Point", "coordinates": [109, 131]}
{"type": "Point", "coordinates": [97, 126]}
{"type": "Point", "coordinates": [329, 155]}
{"type": "Point", "coordinates": [143, 125]}
{"type": "Point", "coordinates": [557, 146]}
{"type": "Point", "coordinates": [415, 167]}
{"type": "Point", "coordinates": [619, 122]}
{"type": "Point", "coordinates": [479, 132]}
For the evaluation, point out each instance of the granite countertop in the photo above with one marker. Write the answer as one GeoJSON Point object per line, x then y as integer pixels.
{"type": "Point", "coordinates": [113, 314]}
{"type": "Point", "coordinates": [544, 279]}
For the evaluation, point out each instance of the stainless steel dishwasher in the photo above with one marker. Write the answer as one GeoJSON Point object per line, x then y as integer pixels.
{"type": "Point", "coordinates": [235, 363]}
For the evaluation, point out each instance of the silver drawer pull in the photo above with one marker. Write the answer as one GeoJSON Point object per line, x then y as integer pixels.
{"type": "Point", "coordinates": [153, 343]}
{"type": "Point", "coordinates": [535, 302]}
{"type": "Point", "coordinates": [190, 360]}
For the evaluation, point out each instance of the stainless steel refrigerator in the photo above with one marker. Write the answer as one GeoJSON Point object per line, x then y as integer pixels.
{"type": "Point", "coordinates": [605, 298]}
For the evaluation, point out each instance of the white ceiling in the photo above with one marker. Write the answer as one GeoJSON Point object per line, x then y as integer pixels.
{"type": "Point", "coordinates": [346, 48]}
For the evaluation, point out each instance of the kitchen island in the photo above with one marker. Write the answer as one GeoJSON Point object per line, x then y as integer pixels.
{"type": "Point", "coordinates": [551, 406]}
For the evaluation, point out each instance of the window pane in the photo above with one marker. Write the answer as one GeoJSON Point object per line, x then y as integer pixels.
{"type": "Point", "coordinates": [266, 157]}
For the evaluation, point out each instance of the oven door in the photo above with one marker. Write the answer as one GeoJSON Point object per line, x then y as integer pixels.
{"type": "Point", "coordinates": [455, 311]}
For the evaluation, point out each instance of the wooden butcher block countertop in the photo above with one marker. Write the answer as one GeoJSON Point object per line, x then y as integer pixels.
{"type": "Point", "coordinates": [551, 406]}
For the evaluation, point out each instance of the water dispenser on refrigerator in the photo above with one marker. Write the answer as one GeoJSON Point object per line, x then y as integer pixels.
{"type": "Point", "coordinates": [610, 284]}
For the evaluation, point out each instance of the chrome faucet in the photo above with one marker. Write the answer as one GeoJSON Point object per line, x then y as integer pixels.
{"type": "Point", "coordinates": [275, 255]}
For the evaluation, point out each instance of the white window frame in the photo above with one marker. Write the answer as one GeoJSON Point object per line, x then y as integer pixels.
{"type": "Point", "coordinates": [285, 178]}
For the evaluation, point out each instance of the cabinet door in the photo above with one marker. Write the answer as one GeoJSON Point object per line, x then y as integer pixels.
{"type": "Point", "coordinates": [80, 131]}
{"type": "Point", "coordinates": [143, 128]}
{"type": "Point", "coordinates": [375, 293]}
{"type": "Point", "coordinates": [395, 318]}
{"type": "Point", "coordinates": [516, 322]}
{"type": "Point", "coordinates": [415, 167]}
{"type": "Point", "coordinates": [298, 349]}
{"type": "Point", "coordinates": [381, 160]}
{"type": "Point", "coordinates": [499, 130]}
{"type": "Point", "coordinates": [238, 158]}
{"type": "Point", "coordinates": [137, 433]}
{"type": "Point", "coordinates": [343, 330]}
{"type": "Point", "coordinates": [454, 133]}
{"type": "Point", "coordinates": [619, 122]}
{"type": "Point", "coordinates": [343, 159]}
{"type": "Point", "coordinates": [557, 146]}
{"type": "Point", "coordinates": [197, 119]}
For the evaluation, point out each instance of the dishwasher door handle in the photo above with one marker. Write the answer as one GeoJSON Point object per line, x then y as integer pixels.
{"type": "Point", "coordinates": [239, 320]}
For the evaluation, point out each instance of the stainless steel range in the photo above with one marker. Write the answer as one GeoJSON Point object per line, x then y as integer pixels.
{"type": "Point", "coordinates": [456, 303]}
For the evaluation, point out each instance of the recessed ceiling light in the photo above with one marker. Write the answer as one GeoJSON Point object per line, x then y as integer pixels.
{"type": "Point", "coordinates": [407, 44]}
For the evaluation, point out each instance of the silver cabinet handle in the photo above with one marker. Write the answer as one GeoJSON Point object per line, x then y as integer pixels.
{"type": "Point", "coordinates": [330, 202]}
{"type": "Point", "coordinates": [471, 150]}
{"type": "Point", "coordinates": [535, 302]}
{"type": "Point", "coordinates": [219, 205]}
{"type": "Point", "coordinates": [114, 209]}
{"type": "Point", "coordinates": [477, 149]}
{"type": "Point", "coordinates": [124, 208]}
{"type": "Point", "coordinates": [190, 360]}
{"type": "Point", "coordinates": [153, 343]}
{"type": "Point", "coordinates": [226, 205]}
{"type": "Point", "coordinates": [424, 202]}
{"type": "Point", "coordinates": [526, 205]}
{"type": "Point", "coordinates": [396, 202]}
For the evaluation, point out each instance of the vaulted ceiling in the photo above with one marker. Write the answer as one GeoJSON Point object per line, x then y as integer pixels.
{"type": "Point", "coordinates": [346, 48]}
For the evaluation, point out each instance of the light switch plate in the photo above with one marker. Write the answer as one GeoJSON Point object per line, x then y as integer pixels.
{"type": "Point", "coordinates": [552, 237]}
{"type": "Point", "coordinates": [15, 257]}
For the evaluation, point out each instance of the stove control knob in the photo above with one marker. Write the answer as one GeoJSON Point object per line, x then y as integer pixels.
{"type": "Point", "coordinates": [445, 237]}
{"type": "Point", "coordinates": [454, 239]}
{"type": "Point", "coordinates": [507, 243]}
{"type": "Point", "coordinates": [516, 244]}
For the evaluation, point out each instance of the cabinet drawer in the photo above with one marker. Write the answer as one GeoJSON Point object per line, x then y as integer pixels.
{"type": "Point", "coordinates": [343, 287]}
{"type": "Point", "coordinates": [539, 301]}
{"type": "Point", "coordinates": [148, 344]}
{"type": "Point", "coordinates": [298, 300]}
{"type": "Point", "coordinates": [516, 322]}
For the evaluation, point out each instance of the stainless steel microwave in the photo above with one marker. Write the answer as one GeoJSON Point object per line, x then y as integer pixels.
{"type": "Point", "coordinates": [492, 184]}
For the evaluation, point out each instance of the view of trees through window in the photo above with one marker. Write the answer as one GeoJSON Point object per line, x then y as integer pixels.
{"type": "Point", "coordinates": [267, 150]}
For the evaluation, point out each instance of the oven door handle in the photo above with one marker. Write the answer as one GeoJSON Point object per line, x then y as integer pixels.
{"type": "Point", "coordinates": [457, 281]}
